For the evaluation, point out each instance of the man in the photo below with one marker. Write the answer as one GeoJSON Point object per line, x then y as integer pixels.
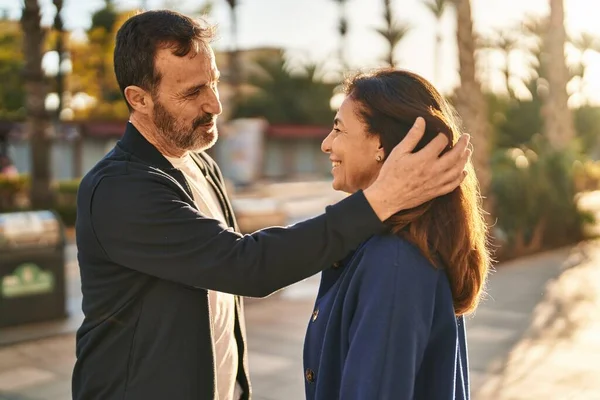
{"type": "Point", "coordinates": [159, 252]}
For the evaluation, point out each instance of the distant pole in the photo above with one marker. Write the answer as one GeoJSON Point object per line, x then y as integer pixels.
{"type": "Point", "coordinates": [60, 79]}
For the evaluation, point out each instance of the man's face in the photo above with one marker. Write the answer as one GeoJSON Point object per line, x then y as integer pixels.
{"type": "Point", "coordinates": [186, 102]}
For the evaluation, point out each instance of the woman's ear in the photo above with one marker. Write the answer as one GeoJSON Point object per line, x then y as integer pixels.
{"type": "Point", "coordinates": [380, 151]}
{"type": "Point", "coordinates": [380, 148]}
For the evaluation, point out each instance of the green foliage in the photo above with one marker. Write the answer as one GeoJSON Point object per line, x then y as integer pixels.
{"type": "Point", "coordinates": [68, 186]}
{"type": "Point", "coordinates": [12, 90]}
{"type": "Point", "coordinates": [93, 72]}
{"type": "Point", "coordinates": [534, 198]}
{"type": "Point", "coordinates": [393, 32]}
{"type": "Point", "coordinates": [67, 213]}
{"type": "Point", "coordinates": [281, 96]}
{"type": "Point", "coordinates": [105, 18]}
{"type": "Point", "coordinates": [515, 122]}
{"type": "Point", "coordinates": [587, 125]}
{"type": "Point", "coordinates": [437, 7]}
{"type": "Point", "coordinates": [14, 192]}
{"type": "Point", "coordinates": [66, 200]}
{"type": "Point", "coordinates": [586, 176]}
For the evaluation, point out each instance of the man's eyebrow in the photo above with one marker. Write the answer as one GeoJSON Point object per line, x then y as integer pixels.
{"type": "Point", "coordinates": [337, 121]}
{"type": "Point", "coordinates": [192, 89]}
{"type": "Point", "coordinates": [197, 87]}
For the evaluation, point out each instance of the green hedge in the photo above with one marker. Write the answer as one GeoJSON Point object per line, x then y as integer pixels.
{"type": "Point", "coordinates": [14, 195]}
{"type": "Point", "coordinates": [534, 198]}
{"type": "Point", "coordinates": [13, 192]}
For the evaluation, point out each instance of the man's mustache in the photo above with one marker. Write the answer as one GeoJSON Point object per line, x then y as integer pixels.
{"type": "Point", "coordinates": [204, 120]}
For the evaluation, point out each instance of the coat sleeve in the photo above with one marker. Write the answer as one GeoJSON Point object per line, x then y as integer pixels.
{"type": "Point", "coordinates": [156, 233]}
{"type": "Point", "coordinates": [390, 326]}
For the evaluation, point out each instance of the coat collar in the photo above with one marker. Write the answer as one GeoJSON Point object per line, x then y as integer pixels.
{"type": "Point", "coordinates": [135, 143]}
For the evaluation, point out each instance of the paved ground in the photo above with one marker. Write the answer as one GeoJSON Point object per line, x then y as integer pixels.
{"type": "Point", "coordinates": [41, 369]}
{"type": "Point", "coordinates": [559, 355]}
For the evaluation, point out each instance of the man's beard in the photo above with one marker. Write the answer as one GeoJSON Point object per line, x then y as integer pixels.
{"type": "Point", "coordinates": [187, 138]}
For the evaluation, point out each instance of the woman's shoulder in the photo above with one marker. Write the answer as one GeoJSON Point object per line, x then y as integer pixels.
{"type": "Point", "coordinates": [388, 265]}
{"type": "Point", "coordinates": [393, 251]}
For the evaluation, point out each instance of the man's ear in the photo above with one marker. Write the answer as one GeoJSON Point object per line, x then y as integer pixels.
{"type": "Point", "coordinates": [139, 99]}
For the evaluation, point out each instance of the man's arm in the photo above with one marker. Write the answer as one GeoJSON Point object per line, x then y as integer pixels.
{"type": "Point", "coordinates": [160, 235]}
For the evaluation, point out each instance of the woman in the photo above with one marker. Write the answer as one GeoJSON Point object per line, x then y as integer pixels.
{"type": "Point", "coordinates": [388, 320]}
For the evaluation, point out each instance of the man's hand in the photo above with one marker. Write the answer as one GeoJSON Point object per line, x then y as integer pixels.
{"type": "Point", "coordinates": [407, 179]}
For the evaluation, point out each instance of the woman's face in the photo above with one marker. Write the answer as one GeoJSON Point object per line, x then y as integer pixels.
{"type": "Point", "coordinates": [352, 150]}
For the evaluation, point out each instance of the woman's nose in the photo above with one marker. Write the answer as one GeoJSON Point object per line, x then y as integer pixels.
{"type": "Point", "coordinates": [326, 144]}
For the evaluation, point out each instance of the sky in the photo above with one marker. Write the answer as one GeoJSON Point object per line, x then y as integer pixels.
{"type": "Point", "coordinates": [308, 30]}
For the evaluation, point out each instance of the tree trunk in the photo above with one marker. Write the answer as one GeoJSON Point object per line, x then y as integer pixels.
{"type": "Point", "coordinates": [508, 74]}
{"type": "Point", "coordinates": [437, 54]}
{"type": "Point", "coordinates": [234, 56]}
{"type": "Point", "coordinates": [343, 31]}
{"type": "Point", "coordinates": [471, 103]}
{"type": "Point", "coordinates": [558, 120]}
{"type": "Point", "coordinates": [37, 117]}
{"type": "Point", "coordinates": [60, 49]}
{"type": "Point", "coordinates": [390, 57]}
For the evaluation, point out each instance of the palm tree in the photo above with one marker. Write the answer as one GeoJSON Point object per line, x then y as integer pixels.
{"type": "Point", "coordinates": [105, 17]}
{"type": "Point", "coordinates": [37, 117]}
{"type": "Point", "coordinates": [283, 96]}
{"type": "Point", "coordinates": [206, 8]}
{"type": "Point", "coordinates": [506, 42]}
{"type": "Point", "coordinates": [559, 126]}
{"type": "Point", "coordinates": [343, 31]}
{"type": "Point", "coordinates": [532, 32]}
{"type": "Point", "coordinates": [437, 8]}
{"type": "Point", "coordinates": [393, 32]}
{"type": "Point", "coordinates": [470, 102]}
{"type": "Point", "coordinates": [585, 43]}
{"type": "Point", "coordinates": [234, 64]}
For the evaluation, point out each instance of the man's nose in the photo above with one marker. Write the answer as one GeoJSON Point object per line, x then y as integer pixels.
{"type": "Point", "coordinates": [213, 105]}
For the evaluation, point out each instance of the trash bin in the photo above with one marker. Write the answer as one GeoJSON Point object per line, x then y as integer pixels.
{"type": "Point", "coordinates": [32, 268]}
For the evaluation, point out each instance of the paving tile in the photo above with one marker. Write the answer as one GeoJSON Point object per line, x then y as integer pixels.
{"type": "Point", "coordinates": [13, 396]}
{"type": "Point", "coordinates": [262, 364]}
{"type": "Point", "coordinates": [55, 390]}
{"type": "Point", "coordinates": [23, 377]}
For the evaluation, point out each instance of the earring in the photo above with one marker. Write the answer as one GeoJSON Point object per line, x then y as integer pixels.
{"type": "Point", "coordinates": [379, 158]}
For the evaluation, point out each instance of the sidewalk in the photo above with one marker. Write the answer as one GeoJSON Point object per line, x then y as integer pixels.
{"type": "Point", "coordinates": [559, 356]}
{"type": "Point", "coordinates": [41, 369]}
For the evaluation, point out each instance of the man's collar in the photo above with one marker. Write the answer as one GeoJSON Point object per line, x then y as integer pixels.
{"type": "Point", "coordinates": [135, 143]}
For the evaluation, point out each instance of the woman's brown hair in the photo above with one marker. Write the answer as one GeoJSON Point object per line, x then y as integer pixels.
{"type": "Point", "coordinates": [449, 230]}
